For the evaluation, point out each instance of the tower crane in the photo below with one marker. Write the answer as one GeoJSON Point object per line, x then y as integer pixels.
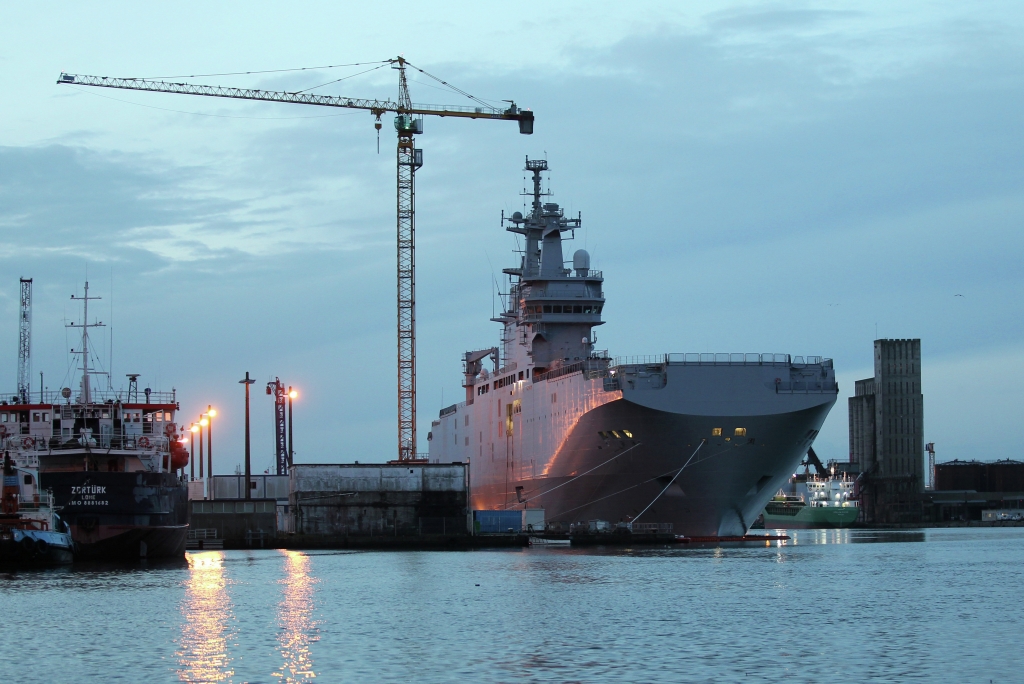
{"type": "Point", "coordinates": [25, 340]}
{"type": "Point", "coordinates": [408, 124]}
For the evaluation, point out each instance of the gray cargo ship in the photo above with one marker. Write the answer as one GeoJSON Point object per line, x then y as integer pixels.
{"type": "Point", "coordinates": [700, 442]}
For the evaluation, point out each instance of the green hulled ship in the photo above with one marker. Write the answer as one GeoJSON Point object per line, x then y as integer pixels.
{"type": "Point", "coordinates": [831, 505]}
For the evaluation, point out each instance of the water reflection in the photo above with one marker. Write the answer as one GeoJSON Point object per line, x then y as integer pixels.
{"type": "Point", "coordinates": [298, 629]}
{"type": "Point", "coordinates": [845, 536]}
{"type": "Point", "coordinates": [202, 654]}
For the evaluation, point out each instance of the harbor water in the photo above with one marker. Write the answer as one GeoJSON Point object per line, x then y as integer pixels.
{"type": "Point", "coordinates": [835, 605]}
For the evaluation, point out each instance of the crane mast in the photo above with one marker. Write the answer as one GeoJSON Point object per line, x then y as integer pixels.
{"type": "Point", "coordinates": [25, 340]}
{"type": "Point", "coordinates": [408, 124]}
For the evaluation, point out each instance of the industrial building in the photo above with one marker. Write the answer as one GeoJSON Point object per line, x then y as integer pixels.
{"type": "Point", "coordinates": [379, 499]}
{"type": "Point", "coordinates": [887, 434]}
{"type": "Point", "coordinates": [967, 491]}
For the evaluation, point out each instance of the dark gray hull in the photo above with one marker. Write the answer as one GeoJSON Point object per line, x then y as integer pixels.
{"type": "Point", "coordinates": [721, 492]}
{"type": "Point", "coordinates": [35, 549]}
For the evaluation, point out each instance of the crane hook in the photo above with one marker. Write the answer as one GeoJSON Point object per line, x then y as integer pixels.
{"type": "Point", "coordinates": [376, 124]}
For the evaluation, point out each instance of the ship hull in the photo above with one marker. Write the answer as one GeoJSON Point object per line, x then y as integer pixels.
{"type": "Point", "coordinates": [35, 549]}
{"type": "Point", "coordinates": [812, 518]}
{"type": "Point", "coordinates": [122, 515]}
{"type": "Point", "coordinates": [671, 471]}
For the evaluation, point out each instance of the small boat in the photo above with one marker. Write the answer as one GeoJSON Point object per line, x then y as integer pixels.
{"type": "Point", "coordinates": [31, 532]}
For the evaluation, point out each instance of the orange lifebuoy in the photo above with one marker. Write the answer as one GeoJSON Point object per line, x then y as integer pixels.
{"type": "Point", "coordinates": [144, 442]}
{"type": "Point", "coordinates": [27, 442]}
{"type": "Point", "coordinates": [169, 429]}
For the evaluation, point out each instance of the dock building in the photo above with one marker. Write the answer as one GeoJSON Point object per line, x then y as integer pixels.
{"type": "Point", "coordinates": [887, 434]}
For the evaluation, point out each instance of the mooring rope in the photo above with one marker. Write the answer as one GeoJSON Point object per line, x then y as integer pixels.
{"type": "Point", "coordinates": [680, 472]}
{"type": "Point", "coordinates": [581, 474]}
{"type": "Point", "coordinates": [634, 486]}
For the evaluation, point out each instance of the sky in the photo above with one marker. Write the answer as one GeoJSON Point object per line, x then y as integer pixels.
{"type": "Point", "coordinates": [753, 177]}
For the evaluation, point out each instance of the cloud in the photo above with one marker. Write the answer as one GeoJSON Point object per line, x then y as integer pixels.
{"type": "Point", "coordinates": [782, 197]}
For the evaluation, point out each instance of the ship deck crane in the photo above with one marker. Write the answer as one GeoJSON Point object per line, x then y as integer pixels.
{"type": "Point", "coordinates": [408, 124]}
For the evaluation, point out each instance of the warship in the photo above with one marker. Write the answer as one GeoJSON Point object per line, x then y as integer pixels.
{"type": "Point", "coordinates": [692, 443]}
{"type": "Point", "coordinates": [109, 463]}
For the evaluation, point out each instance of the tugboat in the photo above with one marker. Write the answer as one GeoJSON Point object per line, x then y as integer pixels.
{"type": "Point", "coordinates": [31, 532]}
{"type": "Point", "coordinates": [112, 462]}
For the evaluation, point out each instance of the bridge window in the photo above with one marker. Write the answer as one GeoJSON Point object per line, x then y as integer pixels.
{"type": "Point", "coordinates": [616, 434]}
{"type": "Point", "coordinates": [628, 433]}
{"type": "Point", "coordinates": [547, 308]}
{"type": "Point", "coordinates": [740, 432]}
{"type": "Point", "coordinates": [578, 308]}
{"type": "Point", "coordinates": [556, 308]}
{"type": "Point", "coordinates": [586, 309]}
{"type": "Point", "coordinates": [716, 432]}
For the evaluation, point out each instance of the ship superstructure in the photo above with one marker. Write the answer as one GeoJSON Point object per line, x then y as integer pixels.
{"type": "Point", "coordinates": [698, 441]}
{"type": "Point", "coordinates": [110, 460]}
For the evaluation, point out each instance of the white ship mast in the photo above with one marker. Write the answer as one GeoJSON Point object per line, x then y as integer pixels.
{"type": "Point", "coordinates": [86, 397]}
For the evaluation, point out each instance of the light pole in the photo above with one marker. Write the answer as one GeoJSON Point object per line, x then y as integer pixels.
{"type": "Point", "coordinates": [291, 445]}
{"type": "Point", "coordinates": [248, 489]}
{"type": "Point", "coordinates": [192, 445]}
{"type": "Point", "coordinates": [202, 423]}
{"type": "Point", "coordinates": [210, 413]}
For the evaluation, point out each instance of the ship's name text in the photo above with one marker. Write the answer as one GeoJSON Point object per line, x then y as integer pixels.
{"type": "Point", "coordinates": [88, 489]}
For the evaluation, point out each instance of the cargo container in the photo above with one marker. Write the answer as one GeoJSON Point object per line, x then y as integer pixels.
{"type": "Point", "coordinates": [533, 519]}
{"type": "Point", "coordinates": [498, 522]}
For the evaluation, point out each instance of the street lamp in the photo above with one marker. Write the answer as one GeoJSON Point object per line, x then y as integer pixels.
{"type": "Point", "coordinates": [291, 445]}
{"type": "Point", "coordinates": [248, 474]}
{"type": "Point", "coordinates": [192, 458]}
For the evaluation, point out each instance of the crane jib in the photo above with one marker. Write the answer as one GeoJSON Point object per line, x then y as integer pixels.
{"type": "Point", "coordinates": [375, 107]}
{"type": "Point", "coordinates": [408, 124]}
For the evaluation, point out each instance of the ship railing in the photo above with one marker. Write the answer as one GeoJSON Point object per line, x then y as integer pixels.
{"type": "Point", "coordinates": [586, 274]}
{"type": "Point", "coordinates": [506, 369]}
{"type": "Point", "coordinates": [97, 397]}
{"type": "Point", "coordinates": [102, 441]}
{"type": "Point", "coordinates": [35, 506]}
{"type": "Point", "coordinates": [650, 528]}
{"type": "Point", "coordinates": [721, 359]}
{"type": "Point", "coordinates": [806, 387]}
{"type": "Point", "coordinates": [203, 533]}
{"type": "Point", "coordinates": [593, 368]}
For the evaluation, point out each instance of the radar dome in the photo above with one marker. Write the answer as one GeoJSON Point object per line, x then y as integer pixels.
{"type": "Point", "coordinates": [518, 216]}
{"type": "Point", "coordinates": [581, 262]}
